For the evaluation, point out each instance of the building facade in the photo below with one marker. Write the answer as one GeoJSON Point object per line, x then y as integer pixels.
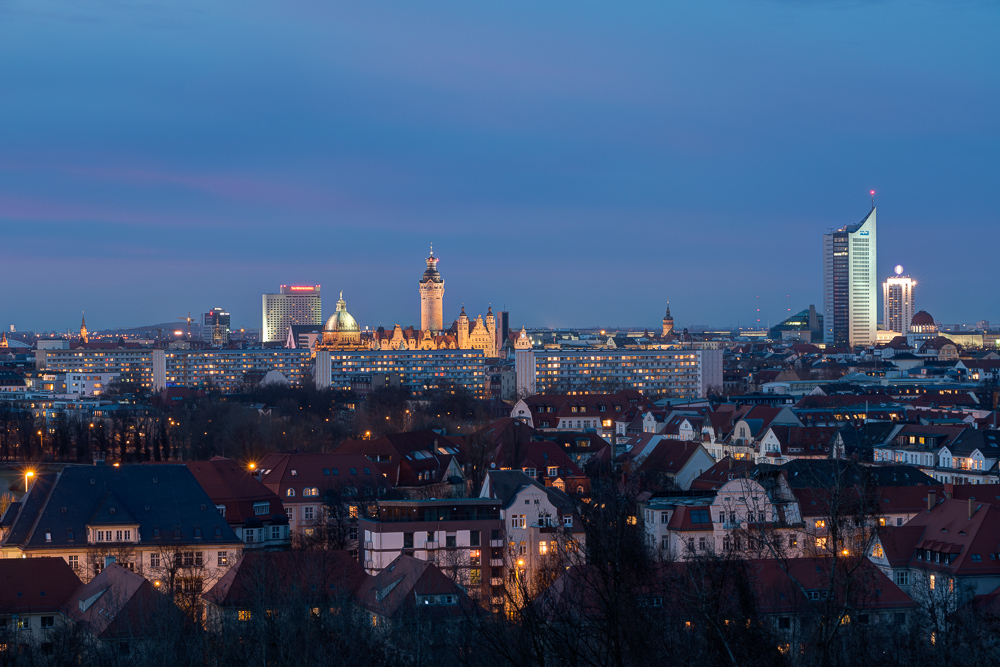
{"type": "Point", "coordinates": [674, 373]}
{"type": "Point", "coordinates": [215, 327]}
{"type": "Point", "coordinates": [419, 371]}
{"type": "Point", "coordinates": [898, 302]}
{"type": "Point", "coordinates": [293, 304]}
{"type": "Point", "coordinates": [850, 303]}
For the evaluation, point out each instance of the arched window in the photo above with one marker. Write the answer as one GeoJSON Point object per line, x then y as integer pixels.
{"type": "Point", "coordinates": [290, 493]}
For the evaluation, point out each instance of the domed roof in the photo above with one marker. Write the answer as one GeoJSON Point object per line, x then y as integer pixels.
{"type": "Point", "coordinates": [922, 318]}
{"type": "Point", "coordinates": [341, 321]}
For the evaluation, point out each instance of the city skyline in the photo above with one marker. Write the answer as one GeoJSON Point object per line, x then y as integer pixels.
{"type": "Point", "coordinates": [571, 167]}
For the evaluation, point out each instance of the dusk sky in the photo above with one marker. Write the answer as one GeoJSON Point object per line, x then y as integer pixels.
{"type": "Point", "coordinates": [579, 162]}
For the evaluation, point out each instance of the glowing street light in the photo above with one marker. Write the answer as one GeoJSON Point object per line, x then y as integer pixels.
{"type": "Point", "coordinates": [27, 476]}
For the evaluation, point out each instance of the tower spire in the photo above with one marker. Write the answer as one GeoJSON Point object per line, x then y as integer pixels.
{"type": "Point", "coordinates": [873, 199]}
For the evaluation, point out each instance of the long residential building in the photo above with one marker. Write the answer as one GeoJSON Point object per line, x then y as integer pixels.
{"type": "Point", "coordinates": [420, 371]}
{"type": "Point", "coordinates": [156, 369]}
{"type": "Point", "coordinates": [675, 373]}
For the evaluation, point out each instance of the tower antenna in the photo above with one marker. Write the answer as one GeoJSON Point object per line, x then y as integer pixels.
{"type": "Point", "coordinates": [873, 199]}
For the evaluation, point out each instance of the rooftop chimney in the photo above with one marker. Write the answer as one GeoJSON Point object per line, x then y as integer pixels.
{"type": "Point", "coordinates": [931, 500]}
{"type": "Point", "coordinates": [971, 511]}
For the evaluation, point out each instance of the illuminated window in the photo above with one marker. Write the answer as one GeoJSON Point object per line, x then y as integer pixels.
{"type": "Point", "coordinates": [820, 523]}
{"type": "Point", "coordinates": [932, 582]}
{"type": "Point", "coordinates": [243, 614]}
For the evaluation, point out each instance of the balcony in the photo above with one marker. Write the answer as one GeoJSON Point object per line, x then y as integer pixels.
{"type": "Point", "coordinates": [496, 562]}
{"type": "Point", "coordinates": [496, 543]}
{"type": "Point", "coordinates": [432, 545]}
{"type": "Point", "coordinates": [369, 546]}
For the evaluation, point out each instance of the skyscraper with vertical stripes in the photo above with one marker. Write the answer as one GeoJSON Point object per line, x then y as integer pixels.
{"type": "Point", "coordinates": [850, 284]}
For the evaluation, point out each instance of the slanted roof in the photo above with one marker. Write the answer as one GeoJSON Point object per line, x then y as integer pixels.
{"type": "Point", "coordinates": [34, 585]}
{"type": "Point", "coordinates": [394, 591]}
{"type": "Point", "coordinates": [230, 485]}
{"type": "Point", "coordinates": [119, 603]}
{"type": "Point", "coordinates": [287, 577]}
{"type": "Point", "coordinates": [112, 512]}
{"type": "Point", "coordinates": [166, 502]}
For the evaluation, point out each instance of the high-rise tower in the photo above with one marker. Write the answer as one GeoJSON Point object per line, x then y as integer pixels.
{"type": "Point", "coordinates": [850, 297]}
{"type": "Point", "coordinates": [432, 297]}
{"type": "Point", "coordinates": [898, 302]}
{"type": "Point", "coordinates": [294, 304]}
{"type": "Point", "coordinates": [84, 334]}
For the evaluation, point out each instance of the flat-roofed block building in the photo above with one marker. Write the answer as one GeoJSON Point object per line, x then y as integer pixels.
{"type": "Point", "coordinates": [420, 371]}
{"type": "Point", "coordinates": [293, 304]}
{"type": "Point", "coordinates": [674, 373]}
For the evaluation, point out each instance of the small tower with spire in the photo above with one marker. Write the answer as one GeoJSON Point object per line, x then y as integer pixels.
{"type": "Point", "coordinates": [84, 338]}
{"type": "Point", "coordinates": [668, 322]}
{"type": "Point", "coordinates": [463, 330]}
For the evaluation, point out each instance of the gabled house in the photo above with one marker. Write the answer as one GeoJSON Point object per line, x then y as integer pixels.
{"type": "Point", "coordinates": [320, 493]}
{"type": "Point", "coordinates": [781, 443]}
{"type": "Point", "coordinates": [34, 593]}
{"type": "Point", "coordinates": [253, 511]}
{"type": "Point", "coordinates": [298, 583]}
{"type": "Point", "coordinates": [121, 607]}
{"type": "Point", "coordinates": [665, 463]}
{"type": "Point", "coordinates": [945, 554]}
{"type": "Point", "coordinates": [567, 412]}
{"type": "Point", "coordinates": [418, 463]}
{"type": "Point", "coordinates": [541, 523]}
{"type": "Point", "coordinates": [413, 590]}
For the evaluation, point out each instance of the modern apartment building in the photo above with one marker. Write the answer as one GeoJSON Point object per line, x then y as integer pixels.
{"type": "Point", "coordinates": [674, 373]}
{"type": "Point", "coordinates": [293, 304]}
{"type": "Point", "coordinates": [850, 299]}
{"type": "Point", "coordinates": [464, 537]}
{"type": "Point", "coordinates": [420, 371]}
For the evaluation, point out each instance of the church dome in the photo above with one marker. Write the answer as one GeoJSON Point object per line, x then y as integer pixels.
{"type": "Point", "coordinates": [922, 318]}
{"type": "Point", "coordinates": [341, 321]}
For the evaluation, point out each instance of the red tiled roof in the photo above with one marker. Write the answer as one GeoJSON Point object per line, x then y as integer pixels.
{"type": "Point", "coordinates": [283, 470]}
{"type": "Point", "coordinates": [227, 483]}
{"type": "Point", "coordinates": [35, 584]}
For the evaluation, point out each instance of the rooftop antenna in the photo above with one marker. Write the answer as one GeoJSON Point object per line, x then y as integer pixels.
{"type": "Point", "coordinates": [758, 311]}
{"type": "Point", "coordinates": [873, 199]}
{"type": "Point", "coordinates": [789, 297]}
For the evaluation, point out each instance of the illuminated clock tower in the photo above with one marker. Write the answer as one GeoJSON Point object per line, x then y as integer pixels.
{"type": "Point", "coordinates": [432, 297]}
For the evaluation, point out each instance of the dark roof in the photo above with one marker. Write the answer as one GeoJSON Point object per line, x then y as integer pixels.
{"type": "Point", "coordinates": [288, 577]}
{"type": "Point", "coordinates": [119, 603]}
{"type": "Point", "coordinates": [393, 591]}
{"type": "Point", "coordinates": [165, 501]}
{"type": "Point", "coordinates": [828, 473]}
{"type": "Point", "coordinates": [505, 484]}
{"type": "Point", "coordinates": [35, 584]}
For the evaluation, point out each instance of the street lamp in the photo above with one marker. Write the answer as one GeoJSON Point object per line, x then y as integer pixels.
{"type": "Point", "coordinates": [28, 475]}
